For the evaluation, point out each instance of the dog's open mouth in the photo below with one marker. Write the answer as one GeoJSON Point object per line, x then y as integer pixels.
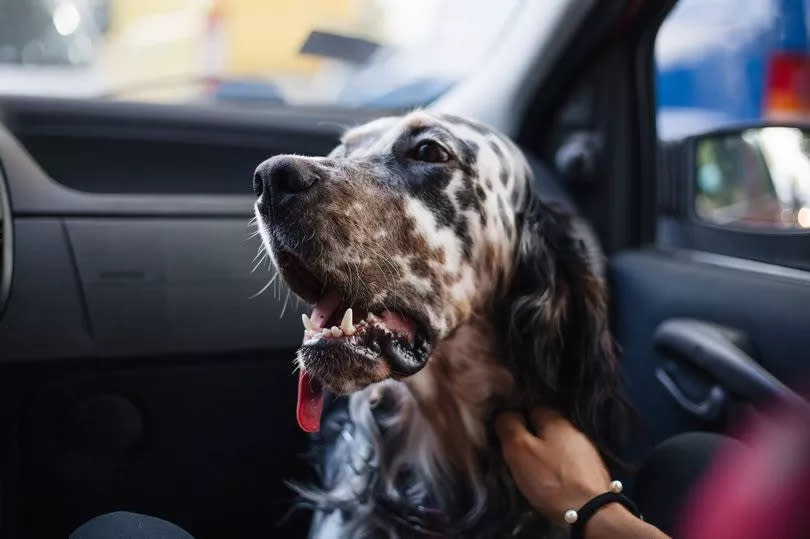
{"type": "Point", "coordinates": [348, 346]}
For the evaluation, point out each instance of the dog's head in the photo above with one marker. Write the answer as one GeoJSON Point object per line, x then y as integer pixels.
{"type": "Point", "coordinates": [411, 225]}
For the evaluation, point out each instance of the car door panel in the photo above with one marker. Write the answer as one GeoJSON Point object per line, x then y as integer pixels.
{"type": "Point", "coordinates": [766, 303]}
{"type": "Point", "coordinates": [203, 441]}
{"type": "Point", "coordinates": [140, 368]}
{"type": "Point", "coordinates": [44, 315]}
{"type": "Point", "coordinates": [117, 287]}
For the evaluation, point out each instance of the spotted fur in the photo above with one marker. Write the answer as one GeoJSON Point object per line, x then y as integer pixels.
{"type": "Point", "coordinates": [508, 290]}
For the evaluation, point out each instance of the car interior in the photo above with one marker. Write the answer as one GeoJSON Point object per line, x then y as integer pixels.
{"type": "Point", "coordinates": [140, 368]}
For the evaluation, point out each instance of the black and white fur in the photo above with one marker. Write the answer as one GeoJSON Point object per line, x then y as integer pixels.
{"type": "Point", "coordinates": [505, 286]}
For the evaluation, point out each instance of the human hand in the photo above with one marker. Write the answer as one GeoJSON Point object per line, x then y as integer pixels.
{"type": "Point", "coordinates": [557, 468]}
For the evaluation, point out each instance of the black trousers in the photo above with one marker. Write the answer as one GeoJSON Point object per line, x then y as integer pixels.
{"type": "Point", "coordinates": [662, 486]}
{"type": "Point", "coordinates": [670, 472]}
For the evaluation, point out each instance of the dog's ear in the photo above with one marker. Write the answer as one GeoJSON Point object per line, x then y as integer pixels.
{"type": "Point", "coordinates": [558, 339]}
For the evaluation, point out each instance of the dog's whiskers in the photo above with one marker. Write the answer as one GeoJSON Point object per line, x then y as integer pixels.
{"type": "Point", "coordinates": [265, 287]}
{"type": "Point", "coordinates": [259, 252]}
{"type": "Point", "coordinates": [396, 270]}
{"type": "Point", "coordinates": [284, 307]}
{"type": "Point", "coordinates": [359, 281]}
{"type": "Point", "coordinates": [388, 270]}
{"type": "Point", "coordinates": [259, 263]}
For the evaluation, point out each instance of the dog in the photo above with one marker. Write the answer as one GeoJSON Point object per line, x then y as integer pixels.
{"type": "Point", "coordinates": [444, 289]}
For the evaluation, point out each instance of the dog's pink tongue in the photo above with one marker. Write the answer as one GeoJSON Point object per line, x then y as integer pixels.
{"type": "Point", "coordinates": [324, 309]}
{"type": "Point", "coordinates": [310, 390]}
{"type": "Point", "coordinates": [310, 402]}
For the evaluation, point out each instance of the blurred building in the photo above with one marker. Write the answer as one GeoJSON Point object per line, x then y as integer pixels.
{"type": "Point", "coordinates": [174, 49]}
{"type": "Point", "coordinates": [354, 53]}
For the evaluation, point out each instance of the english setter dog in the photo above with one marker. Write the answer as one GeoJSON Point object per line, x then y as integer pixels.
{"type": "Point", "coordinates": [443, 289]}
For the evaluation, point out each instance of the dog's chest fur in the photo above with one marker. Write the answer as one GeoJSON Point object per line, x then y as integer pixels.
{"type": "Point", "coordinates": [417, 458]}
{"type": "Point", "coordinates": [457, 389]}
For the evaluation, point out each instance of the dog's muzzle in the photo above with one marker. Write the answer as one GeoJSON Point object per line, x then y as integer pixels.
{"type": "Point", "coordinates": [353, 337]}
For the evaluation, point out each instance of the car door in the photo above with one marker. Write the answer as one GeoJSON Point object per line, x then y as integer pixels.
{"type": "Point", "coordinates": [702, 261]}
{"type": "Point", "coordinates": [731, 244]}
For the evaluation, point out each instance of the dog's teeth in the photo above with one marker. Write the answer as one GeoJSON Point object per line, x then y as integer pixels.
{"type": "Point", "coordinates": [336, 332]}
{"type": "Point", "coordinates": [346, 324]}
{"type": "Point", "coordinates": [308, 324]}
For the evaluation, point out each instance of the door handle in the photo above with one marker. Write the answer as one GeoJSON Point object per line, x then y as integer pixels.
{"type": "Point", "coordinates": [717, 351]}
{"type": "Point", "coordinates": [708, 410]}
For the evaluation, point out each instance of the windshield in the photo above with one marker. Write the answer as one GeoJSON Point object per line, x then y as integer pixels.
{"type": "Point", "coordinates": [350, 53]}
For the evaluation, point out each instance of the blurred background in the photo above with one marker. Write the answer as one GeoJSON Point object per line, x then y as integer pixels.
{"type": "Point", "coordinates": [716, 66]}
{"type": "Point", "coordinates": [365, 53]}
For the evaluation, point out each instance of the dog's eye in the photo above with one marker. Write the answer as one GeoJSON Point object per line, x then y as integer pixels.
{"type": "Point", "coordinates": [430, 152]}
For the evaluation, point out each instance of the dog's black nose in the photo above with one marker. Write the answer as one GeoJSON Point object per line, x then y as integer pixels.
{"type": "Point", "coordinates": [284, 175]}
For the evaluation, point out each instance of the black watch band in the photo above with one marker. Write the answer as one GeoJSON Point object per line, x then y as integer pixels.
{"type": "Point", "coordinates": [593, 505]}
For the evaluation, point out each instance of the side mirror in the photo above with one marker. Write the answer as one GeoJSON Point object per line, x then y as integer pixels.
{"type": "Point", "coordinates": [744, 177]}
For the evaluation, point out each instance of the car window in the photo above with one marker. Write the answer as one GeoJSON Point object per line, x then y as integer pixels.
{"type": "Point", "coordinates": [722, 65]}
{"type": "Point", "coordinates": [723, 62]}
{"type": "Point", "coordinates": [349, 53]}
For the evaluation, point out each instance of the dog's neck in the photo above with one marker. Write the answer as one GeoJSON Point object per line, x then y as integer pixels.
{"type": "Point", "coordinates": [459, 386]}
{"type": "Point", "coordinates": [420, 447]}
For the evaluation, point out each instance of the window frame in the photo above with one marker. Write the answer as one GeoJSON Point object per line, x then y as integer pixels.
{"type": "Point", "coordinates": [6, 243]}
{"type": "Point", "coordinates": [676, 223]}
